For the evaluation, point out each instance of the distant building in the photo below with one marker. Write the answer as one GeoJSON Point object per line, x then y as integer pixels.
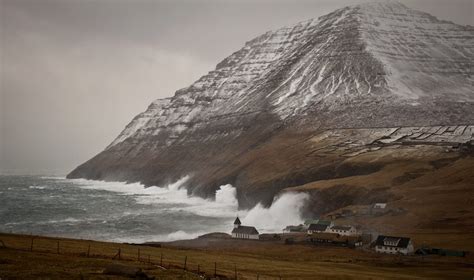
{"type": "Point", "coordinates": [317, 228]}
{"type": "Point", "coordinates": [244, 232]}
{"type": "Point", "coordinates": [325, 238]}
{"type": "Point", "coordinates": [380, 205]}
{"type": "Point", "coordinates": [379, 208]}
{"type": "Point", "coordinates": [394, 245]}
{"type": "Point", "coordinates": [343, 230]}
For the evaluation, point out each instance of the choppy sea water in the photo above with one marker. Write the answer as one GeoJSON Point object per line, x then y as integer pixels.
{"type": "Point", "coordinates": [115, 211]}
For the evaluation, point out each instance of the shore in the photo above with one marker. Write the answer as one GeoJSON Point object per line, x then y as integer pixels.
{"type": "Point", "coordinates": [33, 257]}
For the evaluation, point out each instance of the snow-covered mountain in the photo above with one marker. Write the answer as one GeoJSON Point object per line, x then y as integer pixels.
{"type": "Point", "coordinates": [364, 66]}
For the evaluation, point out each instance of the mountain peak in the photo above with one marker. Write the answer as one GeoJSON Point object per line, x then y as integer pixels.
{"type": "Point", "coordinates": [383, 3]}
{"type": "Point", "coordinates": [371, 65]}
{"type": "Point", "coordinates": [375, 52]}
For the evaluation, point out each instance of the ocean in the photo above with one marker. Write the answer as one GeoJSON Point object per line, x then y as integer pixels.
{"type": "Point", "coordinates": [121, 212]}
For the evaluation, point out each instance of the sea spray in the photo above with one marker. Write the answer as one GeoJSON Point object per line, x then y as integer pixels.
{"type": "Point", "coordinates": [224, 206]}
{"type": "Point", "coordinates": [285, 210]}
{"type": "Point", "coordinates": [227, 195]}
{"type": "Point", "coordinates": [178, 184]}
{"type": "Point", "coordinates": [131, 212]}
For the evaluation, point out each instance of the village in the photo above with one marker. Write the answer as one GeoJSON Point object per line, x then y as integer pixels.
{"type": "Point", "coordinates": [325, 232]}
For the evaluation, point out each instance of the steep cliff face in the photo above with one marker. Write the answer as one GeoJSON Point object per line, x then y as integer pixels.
{"type": "Point", "coordinates": [370, 65]}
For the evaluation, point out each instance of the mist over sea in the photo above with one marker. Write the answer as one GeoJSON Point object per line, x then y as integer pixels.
{"type": "Point", "coordinates": [115, 211]}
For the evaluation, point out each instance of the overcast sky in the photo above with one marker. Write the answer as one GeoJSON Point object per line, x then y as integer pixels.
{"type": "Point", "coordinates": [74, 73]}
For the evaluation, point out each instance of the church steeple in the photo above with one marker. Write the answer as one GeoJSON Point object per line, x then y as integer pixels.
{"type": "Point", "coordinates": [237, 222]}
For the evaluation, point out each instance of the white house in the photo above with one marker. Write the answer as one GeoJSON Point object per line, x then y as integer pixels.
{"type": "Point", "coordinates": [343, 230]}
{"type": "Point", "coordinates": [380, 205]}
{"type": "Point", "coordinates": [379, 208]}
{"type": "Point", "coordinates": [244, 232]}
{"type": "Point", "coordinates": [394, 245]}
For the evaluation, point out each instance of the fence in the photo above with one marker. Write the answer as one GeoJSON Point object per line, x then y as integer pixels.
{"type": "Point", "coordinates": [205, 268]}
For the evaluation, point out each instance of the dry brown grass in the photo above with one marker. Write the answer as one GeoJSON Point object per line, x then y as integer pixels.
{"type": "Point", "coordinates": [434, 202]}
{"type": "Point", "coordinates": [269, 260]}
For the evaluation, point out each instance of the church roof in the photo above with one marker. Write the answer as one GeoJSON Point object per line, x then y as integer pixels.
{"type": "Point", "coordinates": [237, 221]}
{"type": "Point", "coordinates": [245, 230]}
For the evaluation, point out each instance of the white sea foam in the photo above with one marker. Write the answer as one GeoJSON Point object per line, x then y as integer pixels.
{"type": "Point", "coordinates": [175, 195]}
{"type": "Point", "coordinates": [48, 222]}
{"type": "Point", "coordinates": [177, 235]}
{"type": "Point", "coordinates": [285, 209]}
{"type": "Point", "coordinates": [63, 221]}
{"type": "Point", "coordinates": [53, 177]}
{"type": "Point", "coordinates": [181, 235]}
{"type": "Point", "coordinates": [227, 195]}
{"type": "Point", "coordinates": [38, 187]}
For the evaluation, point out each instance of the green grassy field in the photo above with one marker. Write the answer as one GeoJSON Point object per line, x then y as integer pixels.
{"type": "Point", "coordinates": [251, 259]}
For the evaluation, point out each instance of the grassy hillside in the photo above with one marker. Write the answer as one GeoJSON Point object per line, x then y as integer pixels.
{"type": "Point", "coordinates": [268, 260]}
{"type": "Point", "coordinates": [429, 190]}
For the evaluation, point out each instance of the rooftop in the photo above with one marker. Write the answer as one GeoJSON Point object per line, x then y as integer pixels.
{"type": "Point", "coordinates": [392, 241]}
{"type": "Point", "coordinates": [245, 230]}
{"type": "Point", "coordinates": [317, 227]}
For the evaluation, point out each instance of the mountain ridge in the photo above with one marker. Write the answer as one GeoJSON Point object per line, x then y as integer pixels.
{"type": "Point", "coordinates": [364, 66]}
{"type": "Point", "coordinates": [222, 65]}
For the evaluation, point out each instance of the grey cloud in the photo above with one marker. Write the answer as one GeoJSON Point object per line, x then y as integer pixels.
{"type": "Point", "coordinates": [73, 73]}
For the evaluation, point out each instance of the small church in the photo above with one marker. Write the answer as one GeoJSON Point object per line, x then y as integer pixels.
{"type": "Point", "coordinates": [244, 232]}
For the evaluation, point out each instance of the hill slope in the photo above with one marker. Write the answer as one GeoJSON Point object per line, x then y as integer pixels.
{"type": "Point", "coordinates": [306, 103]}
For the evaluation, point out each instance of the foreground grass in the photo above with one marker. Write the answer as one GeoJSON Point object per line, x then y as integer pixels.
{"type": "Point", "coordinates": [249, 258]}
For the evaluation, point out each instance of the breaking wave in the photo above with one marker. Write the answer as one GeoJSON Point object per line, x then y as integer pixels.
{"type": "Point", "coordinates": [38, 187]}
{"type": "Point", "coordinates": [131, 212]}
{"type": "Point", "coordinates": [285, 209]}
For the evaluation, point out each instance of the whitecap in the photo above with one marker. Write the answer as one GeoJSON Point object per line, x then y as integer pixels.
{"type": "Point", "coordinates": [285, 209]}
{"type": "Point", "coordinates": [173, 236]}
{"type": "Point", "coordinates": [53, 177]}
{"type": "Point", "coordinates": [38, 187]}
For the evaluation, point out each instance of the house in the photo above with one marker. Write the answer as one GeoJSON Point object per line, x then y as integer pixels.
{"type": "Point", "coordinates": [244, 232]}
{"type": "Point", "coordinates": [379, 208]}
{"type": "Point", "coordinates": [314, 228]}
{"type": "Point", "coordinates": [325, 238]}
{"type": "Point", "coordinates": [343, 230]}
{"type": "Point", "coordinates": [394, 245]}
